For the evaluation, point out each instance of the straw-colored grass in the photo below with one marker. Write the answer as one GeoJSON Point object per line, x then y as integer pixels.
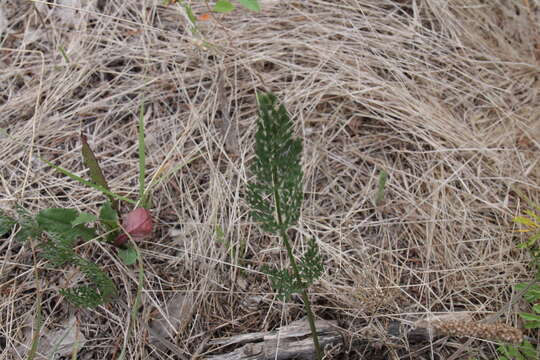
{"type": "Point", "coordinates": [442, 95]}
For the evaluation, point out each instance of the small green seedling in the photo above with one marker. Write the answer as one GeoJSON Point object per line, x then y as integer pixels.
{"type": "Point", "coordinates": [275, 197]}
{"type": "Point", "coordinates": [379, 196]}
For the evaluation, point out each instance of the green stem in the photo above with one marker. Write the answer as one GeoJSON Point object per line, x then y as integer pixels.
{"type": "Point", "coordinates": [304, 294]}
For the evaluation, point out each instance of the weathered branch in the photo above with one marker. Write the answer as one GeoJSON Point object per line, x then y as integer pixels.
{"type": "Point", "coordinates": [291, 341]}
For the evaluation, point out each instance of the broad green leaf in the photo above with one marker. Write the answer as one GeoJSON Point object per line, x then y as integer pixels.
{"type": "Point", "coordinates": [223, 6]}
{"type": "Point", "coordinates": [109, 219]}
{"type": "Point", "coordinates": [128, 256]}
{"type": "Point", "coordinates": [83, 218]}
{"type": "Point", "coordinates": [59, 220]}
{"type": "Point", "coordinates": [56, 220]}
{"type": "Point", "coordinates": [251, 4]}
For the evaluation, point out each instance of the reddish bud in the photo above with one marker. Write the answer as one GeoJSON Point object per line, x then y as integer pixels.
{"type": "Point", "coordinates": [138, 224]}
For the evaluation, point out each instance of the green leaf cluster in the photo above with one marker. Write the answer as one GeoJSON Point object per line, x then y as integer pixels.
{"type": "Point", "coordinates": [530, 290]}
{"type": "Point", "coordinates": [523, 351]}
{"type": "Point", "coordinates": [28, 227]}
{"type": "Point", "coordinates": [286, 283]}
{"type": "Point", "coordinates": [63, 228]}
{"type": "Point", "coordinates": [276, 194]}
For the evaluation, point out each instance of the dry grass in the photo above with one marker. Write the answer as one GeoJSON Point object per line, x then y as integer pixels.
{"type": "Point", "coordinates": [443, 95]}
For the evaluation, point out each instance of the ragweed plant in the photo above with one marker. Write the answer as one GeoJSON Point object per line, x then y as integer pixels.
{"type": "Point", "coordinates": [530, 290]}
{"type": "Point", "coordinates": [275, 197]}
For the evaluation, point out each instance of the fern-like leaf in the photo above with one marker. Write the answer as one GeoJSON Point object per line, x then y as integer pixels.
{"type": "Point", "coordinates": [29, 228]}
{"type": "Point", "coordinates": [283, 281]}
{"type": "Point", "coordinates": [59, 251]}
{"type": "Point", "coordinates": [276, 194]}
{"type": "Point", "coordinates": [311, 266]}
{"type": "Point", "coordinates": [6, 223]}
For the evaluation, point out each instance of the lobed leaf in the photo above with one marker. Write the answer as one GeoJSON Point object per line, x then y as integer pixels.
{"type": "Point", "coordinates": [276, 193]}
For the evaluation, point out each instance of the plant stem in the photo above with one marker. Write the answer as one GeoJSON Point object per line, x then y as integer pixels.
{"type": "Point", "coordinates": [304, 294]}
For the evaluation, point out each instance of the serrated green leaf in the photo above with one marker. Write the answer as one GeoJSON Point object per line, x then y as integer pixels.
{"type": "Point", "coordinates": [128, 256]}
{"type": "Point", "coordinates": [528, 350]}
{"type": "Point", "coordinates": [83, 296]}
{"type": "Point", "coordinates": [533, 291]}
{"type": "Point", "coordinates": [223, 6]}
{"type": "Point", "coordinates": [83, 218]}
{"type": "Point", "coordinates": [251, 4]}
{"type": "Point", "coordinates": [102, 292]}
{"type": "Point", "coordinates": [513, 353]}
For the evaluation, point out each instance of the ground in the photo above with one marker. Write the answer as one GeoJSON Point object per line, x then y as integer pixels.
{"type": "Point", "coordinates": [443, 96]}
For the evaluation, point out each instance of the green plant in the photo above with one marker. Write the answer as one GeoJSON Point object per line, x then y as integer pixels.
{"type": "Point", "coordinates": [530, 291]}
{"type": "Point", "coordinates": [379, 196]}
{"type": "Point", "coordinates": [275, 197]}
{"type": "Point", "coordinates": [227, 6]}
{"type": "Point", "coordinates": [59, 230]}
